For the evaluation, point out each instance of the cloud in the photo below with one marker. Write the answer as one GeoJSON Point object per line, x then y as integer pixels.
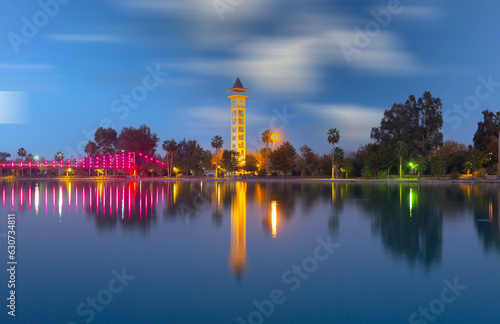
{"type": "Point", "coordinates": [26, 67]}
{"type": "Point", "coordinates": [354, 122]}
{"type": "Point", "coordinates": [296, 64]}
{"type": "Point", "coordinates": [280, 53]}
{"type": "Point", "coordinates": [428, 12]}
{"type": "Point", "coordinates": [13, 107]}
{"type": "Point", "coordinates": [84, 38]}
{"type": "Point", "coordinates": [196, 10]}
{"type": "Point", "coordinates": [28, 77]}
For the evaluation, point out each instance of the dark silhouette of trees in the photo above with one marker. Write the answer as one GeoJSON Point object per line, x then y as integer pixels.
{"type": "Point", "coordinates": [283, 158]}
{"type": "Point", "coordinates": [417, 123]}
{"type": "Point", "coordinates": [140, 140]}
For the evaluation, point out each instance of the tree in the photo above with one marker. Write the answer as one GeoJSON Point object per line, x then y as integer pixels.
{"type": "Point", "coordinates": [339, 154]}
{"type": "Point", "coordinates": [333, 138]}
{"type": "Point", "coordinates": [91, 149]}
{"type": "Point", "coordinates": [325, 164]}
{"type": "Point", "coordinates": [217, 143]}
{"type": "Point", "coordinates": [347, 167]}
{"type": "Point", "coordinates": [266, 139]}
{"type": "Point", "coordinates": [170, 146]}
{"type": "Point", "coordinates": [21, 153]}
{"type": "Point", "coordinates": [283, 157]}
{"type": "Point", "coordinates": [496, 124]}
{"type": "Point", "coordinates": [206, 160]}
{"type": "Point", "coordinates": [473, 163]}
{"type": "Point", "coordinates": [417, 123]}
{"type": "Point", "coordinates": [105, 139]}
{"type": "Point", "coordinates": [452, 154]}
{"type": "Point", "coordinates": [486, 132]}
{"type": "Point", "coordinates": [401, 151]}
{"type": "Point", "coordinates": [139, 140]}
{"type": "Point", "coordinates": [250, 162]}
{"type": "Point", "coordinates": [230, 161]}
{"type": "Point", "coordinates": [4, 156]}
{"type": "Point", "coordinates": [420, 164]}
{"type": "Point", "coordinates": [387, 158]}
{"type": "Point", "coordinates": [59, 156]}
{"type": "Point", "coordinates": [437, 166]}
{"type": "Point", "coordinates": [189, 156]}
{"type": "Point", "coordinates": [310, 159]}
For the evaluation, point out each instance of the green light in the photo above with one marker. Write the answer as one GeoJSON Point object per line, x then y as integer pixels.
{"type": "Point", "coordinates": [413, 200]}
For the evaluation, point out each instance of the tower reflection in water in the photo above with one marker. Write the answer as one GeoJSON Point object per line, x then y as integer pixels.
{"type": "Point", "coordinates": [238, 253]}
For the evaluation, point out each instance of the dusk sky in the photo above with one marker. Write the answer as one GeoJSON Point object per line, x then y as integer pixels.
{"type": "Point", "coordinates": [309, 65]}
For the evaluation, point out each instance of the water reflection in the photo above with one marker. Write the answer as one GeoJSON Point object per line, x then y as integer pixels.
{"type": "Point", "coordinates": [408, 219]}
{"type": "Point", "coordinates": [238, 254]}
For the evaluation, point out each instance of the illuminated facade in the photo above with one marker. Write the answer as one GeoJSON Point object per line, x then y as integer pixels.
{"type": "Point", "coordinates": [238, 120]}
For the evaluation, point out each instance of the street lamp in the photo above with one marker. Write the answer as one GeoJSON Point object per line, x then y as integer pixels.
{"type": "Point", "coordinates": [413, 166]}
{"type": "Point", "coordinates": [274, 138]}
{"type": "Point", "coordinates": [491, 166]}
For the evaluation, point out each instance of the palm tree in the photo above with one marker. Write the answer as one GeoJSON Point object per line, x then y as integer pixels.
{"type": "Point", "coordinates": [401, 152]}
{"type": "Point", "coordinates": [21, 153]}
{"type": "Point", "coordinates": [170, 146]}
{"type": "Point", "coordinates": [266, 138]}
{"type": "Point", "coordinates": [333, 138]}
{"type": "Point", "coordinates": [91, 149]}
{"type": "Point", "coordinates": [217, 144]}
{"type": "Point", "coordinates": [59, 156]}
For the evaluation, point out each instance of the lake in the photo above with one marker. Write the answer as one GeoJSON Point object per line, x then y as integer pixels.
{"type": "Point", "coordinates": [251, 252]}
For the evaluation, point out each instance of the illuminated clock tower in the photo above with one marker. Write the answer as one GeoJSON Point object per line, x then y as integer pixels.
{"type": "Point", "coordinates": [238, 123]}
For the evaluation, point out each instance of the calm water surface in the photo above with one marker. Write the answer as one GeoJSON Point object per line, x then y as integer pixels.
{"type": "Point", "coordinates": [218, 252]}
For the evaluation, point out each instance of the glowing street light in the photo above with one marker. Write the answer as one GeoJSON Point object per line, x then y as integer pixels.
{"type": "Point", "coordinates": [274, 138]}
{"type": "Point", "coordinates": [413, 166]}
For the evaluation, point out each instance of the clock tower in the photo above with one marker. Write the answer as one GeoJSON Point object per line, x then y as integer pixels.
{"type": "Point", "coordinates": [238, 121]}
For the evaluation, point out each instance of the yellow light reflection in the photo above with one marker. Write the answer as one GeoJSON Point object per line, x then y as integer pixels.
{"type": "Point", "coordinates": [218, 194]}
{"type": "Point", "coordinates": [274, 218]}
{"type": "Point", "coordinates": [176, 190]}
{"type": "Point", "coordinates": [238, 256]}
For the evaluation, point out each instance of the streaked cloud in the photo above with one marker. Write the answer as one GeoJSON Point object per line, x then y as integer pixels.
{"type": "Point", "coordinates": [13, 107]}
{"type": "Point", "coordinates": [84, 38]}
{"type": "Point", "coordinates": [296, 64]}
{"type": "Point", "coordinates": [354, 122]}
{"type": "Point", "coordinates": [427, 12]}
{"type": "Point", "coordinates": [26, 67]}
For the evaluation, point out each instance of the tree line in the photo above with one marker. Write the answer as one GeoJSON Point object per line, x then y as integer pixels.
{"type": "Point", "coordinates": [407, 141]}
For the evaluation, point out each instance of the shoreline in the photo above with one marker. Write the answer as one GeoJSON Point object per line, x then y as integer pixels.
{"type": "Point", "coordinates": [258, 179]}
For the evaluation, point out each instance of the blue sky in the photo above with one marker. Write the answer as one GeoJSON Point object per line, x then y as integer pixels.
{"type": "Point", "coordinates": [65, 69]}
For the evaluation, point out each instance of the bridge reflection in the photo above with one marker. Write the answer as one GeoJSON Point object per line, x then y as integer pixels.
{"type": "Point", "coordinates": [100, 198]}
